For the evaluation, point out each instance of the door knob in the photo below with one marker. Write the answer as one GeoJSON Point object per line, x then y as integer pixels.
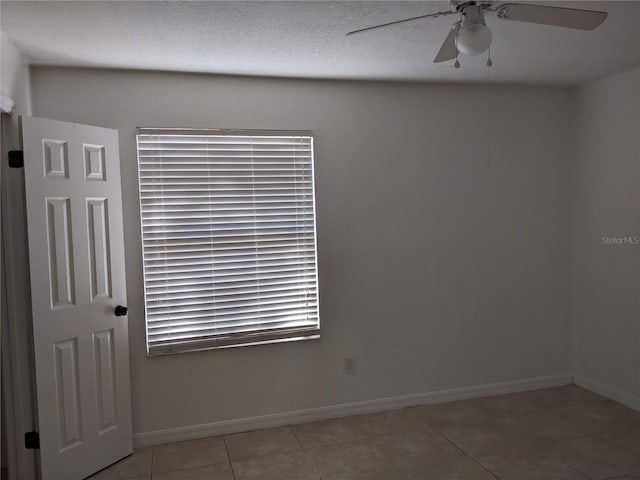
{"type": "Point", "coordinates": [120, 311]}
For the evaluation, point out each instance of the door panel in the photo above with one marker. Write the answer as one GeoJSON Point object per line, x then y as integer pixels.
{"type": "Point", "coordinates": [76, 254]}
{"type": "Point", "coordinates": [60, 255]}
{"type": "Point", "coordinates": [105, 380]}
{"type": "Point", "coordinates": [99, 258]}
{"type": "Point", "coordinates": [68, 393]}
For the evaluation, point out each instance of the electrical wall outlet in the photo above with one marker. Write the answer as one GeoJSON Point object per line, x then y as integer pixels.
{"type": "Point", "coordinates": [350, 366]}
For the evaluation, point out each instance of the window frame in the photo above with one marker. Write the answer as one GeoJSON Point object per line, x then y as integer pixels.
{"type": "Point", "coordinates": [249, 338]}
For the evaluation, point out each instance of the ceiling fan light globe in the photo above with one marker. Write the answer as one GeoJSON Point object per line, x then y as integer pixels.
{"type": "Point", "coordinates": [473, 39]}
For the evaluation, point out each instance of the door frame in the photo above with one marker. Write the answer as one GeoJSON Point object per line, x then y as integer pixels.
{"type": "Point", "coordinates": [18, 375]}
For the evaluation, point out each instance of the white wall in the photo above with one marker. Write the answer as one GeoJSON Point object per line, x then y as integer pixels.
{"type": "Point", "coordinates": [14, 76]}
{"type": "Point", "coordinates": [443, 257]}
{"type": "Point", "coordinates": [606, 203]}
{"type": "Point", "coordinates": [16, 319]}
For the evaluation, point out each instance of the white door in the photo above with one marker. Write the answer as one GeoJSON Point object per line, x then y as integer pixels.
{"type": "Point", "coordinates": [76, 256]}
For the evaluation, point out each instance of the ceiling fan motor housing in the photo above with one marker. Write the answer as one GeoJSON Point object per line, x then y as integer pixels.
{"type": "Point", "coordinates": [473, 36]}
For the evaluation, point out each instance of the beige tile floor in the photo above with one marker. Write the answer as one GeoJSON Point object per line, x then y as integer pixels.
{"type": "Point", "coordinates": [561, 433]}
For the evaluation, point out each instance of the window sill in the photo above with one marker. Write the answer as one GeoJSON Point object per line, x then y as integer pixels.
{"type": "Point", "coordinates": [218, 345]}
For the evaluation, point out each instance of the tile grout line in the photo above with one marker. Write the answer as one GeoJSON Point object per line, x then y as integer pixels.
{"type": "Point", "coordinates": [153, 452]}
{"type": "Point", "coordinates": [468, 456]}
{"type": "Point", "coordinates": [570, 467]}
{"type": "Point", "coordinates": [618, 477]}
{"type": "Point", "coordinates": [226, 449]}
{"type": "Point", "coordinates": [290, 427]}
{"type": "Point", "coordinates": [177, 470]}
{"type": "Point", "coordinates": [366, 435]}
{"type": "Point", "coordinates": [304, 452]}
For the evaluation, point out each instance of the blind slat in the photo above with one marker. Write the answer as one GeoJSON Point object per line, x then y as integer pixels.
{"type": "Point", "coordinates": [196, 285]}
{"type": "Point", "coordinates": [206, 316]}
{"type": "Point", "coordinates": [205, 296]}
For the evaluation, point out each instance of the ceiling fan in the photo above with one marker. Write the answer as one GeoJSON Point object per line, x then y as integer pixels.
{"type": "Point", "coordinates": [471, 36]}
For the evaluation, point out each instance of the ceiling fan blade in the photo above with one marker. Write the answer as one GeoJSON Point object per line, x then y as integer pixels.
{"type": "Point", "coordinates": [448, 50]}
{"type": "Point", "coordinates": [557, 16]}
{"type": "Point", "coordinates": [430, 15]}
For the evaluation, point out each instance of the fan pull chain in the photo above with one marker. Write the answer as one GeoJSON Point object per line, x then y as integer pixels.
{"type": "Point", "coordinates": [457, 64]}
{"type": "Point", "coordinates": [489, 61]}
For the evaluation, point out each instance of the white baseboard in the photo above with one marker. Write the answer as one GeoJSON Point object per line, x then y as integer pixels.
{"type": "Point", "coordinates": [192, 432]}
{"type": "Point", "coordinates": [611, 393]}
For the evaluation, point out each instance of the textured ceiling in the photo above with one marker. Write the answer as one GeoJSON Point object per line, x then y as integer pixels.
{"type": "Point", "coordinates": [306, 39]}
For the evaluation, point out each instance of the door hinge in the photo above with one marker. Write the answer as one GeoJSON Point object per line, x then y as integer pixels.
{"type": "Point", "coordinates": [16, 158]}
{"type": "Point", "coordinates": [32, 440]}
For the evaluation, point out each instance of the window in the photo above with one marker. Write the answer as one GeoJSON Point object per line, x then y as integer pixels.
{"type": "Point", "coordinates": [228, 237]}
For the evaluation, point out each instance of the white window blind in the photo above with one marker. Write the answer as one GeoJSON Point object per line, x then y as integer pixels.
{"type": "Point", "coordinates": [228, 237]}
